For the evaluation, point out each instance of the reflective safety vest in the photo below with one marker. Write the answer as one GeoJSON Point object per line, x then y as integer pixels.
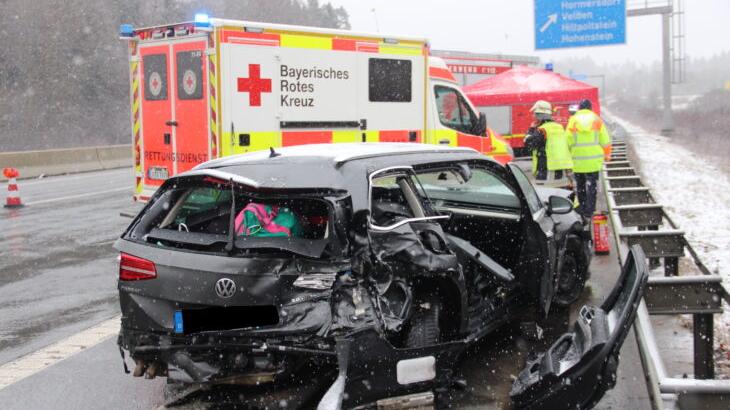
{"type": "Point", "coordinates": [556, 147]}
{"type": "Point", "coordinates": [588, 140]}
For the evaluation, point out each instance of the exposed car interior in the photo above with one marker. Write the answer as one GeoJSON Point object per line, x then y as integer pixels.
{"type": "Point", "coordinates": [393, 198]}
{"type": "Point", "coordinates": [483, 208]}
{"type": "Point", "coordinates": [208, 209]}
{"type": "Point", "coordinates": [197, 216]}
{"type": "Point", "coordinates": [484, 229]}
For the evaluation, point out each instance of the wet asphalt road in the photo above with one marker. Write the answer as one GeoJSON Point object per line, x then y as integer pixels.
{"type": "Point", "coordinates": [57, 266]}
{"type": "Point", "coordinates": [58, 276]}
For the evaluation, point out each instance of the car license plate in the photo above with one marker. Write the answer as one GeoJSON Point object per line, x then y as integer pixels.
{"type": "Point", "coordinates": [157, 173]}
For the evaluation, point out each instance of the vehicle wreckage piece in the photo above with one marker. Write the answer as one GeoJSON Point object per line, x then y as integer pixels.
{"type": "Point", "coordinates": [580, 367]}
{"type": "Point", "coordinates": [470, 251]}
{"type": "Point", "coordinates": [377, 370]}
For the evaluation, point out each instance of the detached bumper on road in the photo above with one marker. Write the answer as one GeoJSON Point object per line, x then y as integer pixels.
{"type": "Point", "coordinates": [580, 367]}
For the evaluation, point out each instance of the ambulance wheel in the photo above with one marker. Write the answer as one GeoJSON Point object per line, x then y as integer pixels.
{"type": "Point", "coordinates": [571, 281]}
{"type": "Point", "coordinates": [424, 328]}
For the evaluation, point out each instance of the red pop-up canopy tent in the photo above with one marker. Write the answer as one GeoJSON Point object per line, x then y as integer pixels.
{"type": "Point", "coordinates": [506, 99]}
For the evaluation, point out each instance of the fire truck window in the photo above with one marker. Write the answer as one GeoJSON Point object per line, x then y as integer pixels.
{"type": "Point", "coordinates": [155, 76]}
{"type": "Point", "coordinates": [390, 80]}
{"type": "Point", "coordinates": [453, 111]}
{"type": "Point", "coordinates": [189, 75]}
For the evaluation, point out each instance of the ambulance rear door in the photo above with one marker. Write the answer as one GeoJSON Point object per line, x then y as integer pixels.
{"type": "Point", "coordinates": [191, 113]}
{"type": "Point", "coordinates": [174, 108]}
{"type": "Point", "coordinates": [156, 112]}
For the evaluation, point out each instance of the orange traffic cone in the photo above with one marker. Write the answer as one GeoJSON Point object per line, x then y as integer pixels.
{"type": "Point", "coordinates": [13, 199]}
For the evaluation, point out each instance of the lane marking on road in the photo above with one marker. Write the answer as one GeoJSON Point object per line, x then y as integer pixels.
{"type": "Point", "coordinates": [33, 363]}
{"type": "Point", "coordinates": [64, 198]}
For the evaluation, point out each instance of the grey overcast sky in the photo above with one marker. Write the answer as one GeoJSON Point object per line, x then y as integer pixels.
{"type": "Point", "coordinates": [506, 26]}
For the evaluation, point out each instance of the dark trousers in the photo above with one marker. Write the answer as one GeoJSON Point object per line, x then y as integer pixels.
{"type": "Point", "coordinates": [587, 187]}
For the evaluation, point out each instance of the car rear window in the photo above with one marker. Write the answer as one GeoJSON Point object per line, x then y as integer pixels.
{"type": "Point", "coordinates": [197, 216]}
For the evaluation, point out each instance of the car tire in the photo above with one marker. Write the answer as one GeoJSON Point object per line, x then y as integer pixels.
{"type": "Point", "coordinates": [424, 327]}
{"type": "Point", "coordinates": [571, 280]}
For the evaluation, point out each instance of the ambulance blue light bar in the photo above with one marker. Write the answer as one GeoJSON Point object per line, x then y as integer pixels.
{"type": "Point", "coordinates": [202, 21]}
{"type": "Point", "coordinates": [126, 31]}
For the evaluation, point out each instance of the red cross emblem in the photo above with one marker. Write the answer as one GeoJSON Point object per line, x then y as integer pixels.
{"type": "Point", "coordinates": [254, 85]}
{"type": "Point", "coordinates": [155, 84]}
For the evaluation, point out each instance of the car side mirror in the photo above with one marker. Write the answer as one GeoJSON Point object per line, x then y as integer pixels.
{"type": "Point", "coordinates": [480, 127]}
{"type": "Point", "coordinates": [558, 205]}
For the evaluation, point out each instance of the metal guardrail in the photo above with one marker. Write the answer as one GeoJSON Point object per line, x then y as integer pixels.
{"type": "Point", "coordinates": [637, 218]}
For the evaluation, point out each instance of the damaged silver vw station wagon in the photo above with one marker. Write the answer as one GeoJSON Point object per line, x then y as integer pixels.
{"type": "Point", "coordinates": [341, 275]}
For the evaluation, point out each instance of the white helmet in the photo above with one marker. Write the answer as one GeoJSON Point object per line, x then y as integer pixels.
{"type": "Point", "coordinates": [542, 107]}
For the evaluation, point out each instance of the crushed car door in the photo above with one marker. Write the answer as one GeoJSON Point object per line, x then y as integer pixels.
{"type": "Point", "coordinates": [540, 246]}
{"type": "Point", "coordinates": [405, 244]}
{"type": "Point", "coordinates": [580, 366]}
{"type": "Point", "coordinates": [484, 212]}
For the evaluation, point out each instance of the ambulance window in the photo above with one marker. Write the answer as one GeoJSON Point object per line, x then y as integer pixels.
{"type": "Point", "coordinates": [390, 80]}
{"type": "Point", "coordinates": [189, 74]}
{"type": "Point", "coordinates": [453, 110]}
{"type": "Point", "coordinates": [155, 76]}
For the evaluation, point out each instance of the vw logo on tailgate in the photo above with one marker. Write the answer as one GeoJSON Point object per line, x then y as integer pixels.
{"type": "Point", "coordinates": [225, 288]}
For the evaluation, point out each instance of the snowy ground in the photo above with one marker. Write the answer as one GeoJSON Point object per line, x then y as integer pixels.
{"type": "Point", "coordinates": [695, 194]}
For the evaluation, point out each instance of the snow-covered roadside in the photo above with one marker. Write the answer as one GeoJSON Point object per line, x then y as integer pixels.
{"type": "Point", "coordinates": [694, 193]}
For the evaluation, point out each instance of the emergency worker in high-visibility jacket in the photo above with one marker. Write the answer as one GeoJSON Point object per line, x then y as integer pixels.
{"type": "Point", "coordinates": [551, 159]}
{"type": "Point", "coordinates": [589, 144]}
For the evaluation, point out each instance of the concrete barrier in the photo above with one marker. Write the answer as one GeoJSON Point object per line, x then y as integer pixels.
{"type": "Point", "coordinates": [115, 156]}
{"type": "Point", "coordinates": [32, 164]}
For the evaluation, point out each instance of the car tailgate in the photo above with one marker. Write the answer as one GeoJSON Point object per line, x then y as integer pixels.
{"type": "Point", "coordinates": [581, 366]}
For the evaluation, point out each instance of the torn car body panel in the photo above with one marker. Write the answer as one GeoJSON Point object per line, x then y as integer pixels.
{"type": "Point", "coordinates": [405, 257]}
{"type": "Point", "coordinates": [390, 371]}
{"type": "Point", "coordinates": [581, 366]}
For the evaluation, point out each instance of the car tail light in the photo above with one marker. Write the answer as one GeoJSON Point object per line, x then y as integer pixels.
{"type": "Point", "coordinates": [134, 268]}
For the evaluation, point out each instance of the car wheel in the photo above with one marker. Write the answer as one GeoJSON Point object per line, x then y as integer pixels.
{"type": "Point", "coordinates": [571, 281]}
{"type": "Point", "coordinates": [425, 328]}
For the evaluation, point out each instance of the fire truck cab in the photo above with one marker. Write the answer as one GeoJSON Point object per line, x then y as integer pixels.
{"type": "Point", "coordinates": [214, 87]}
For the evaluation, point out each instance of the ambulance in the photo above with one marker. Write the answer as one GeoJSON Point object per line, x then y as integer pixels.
{"type": "Point", "coordinates": [214, 87]}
